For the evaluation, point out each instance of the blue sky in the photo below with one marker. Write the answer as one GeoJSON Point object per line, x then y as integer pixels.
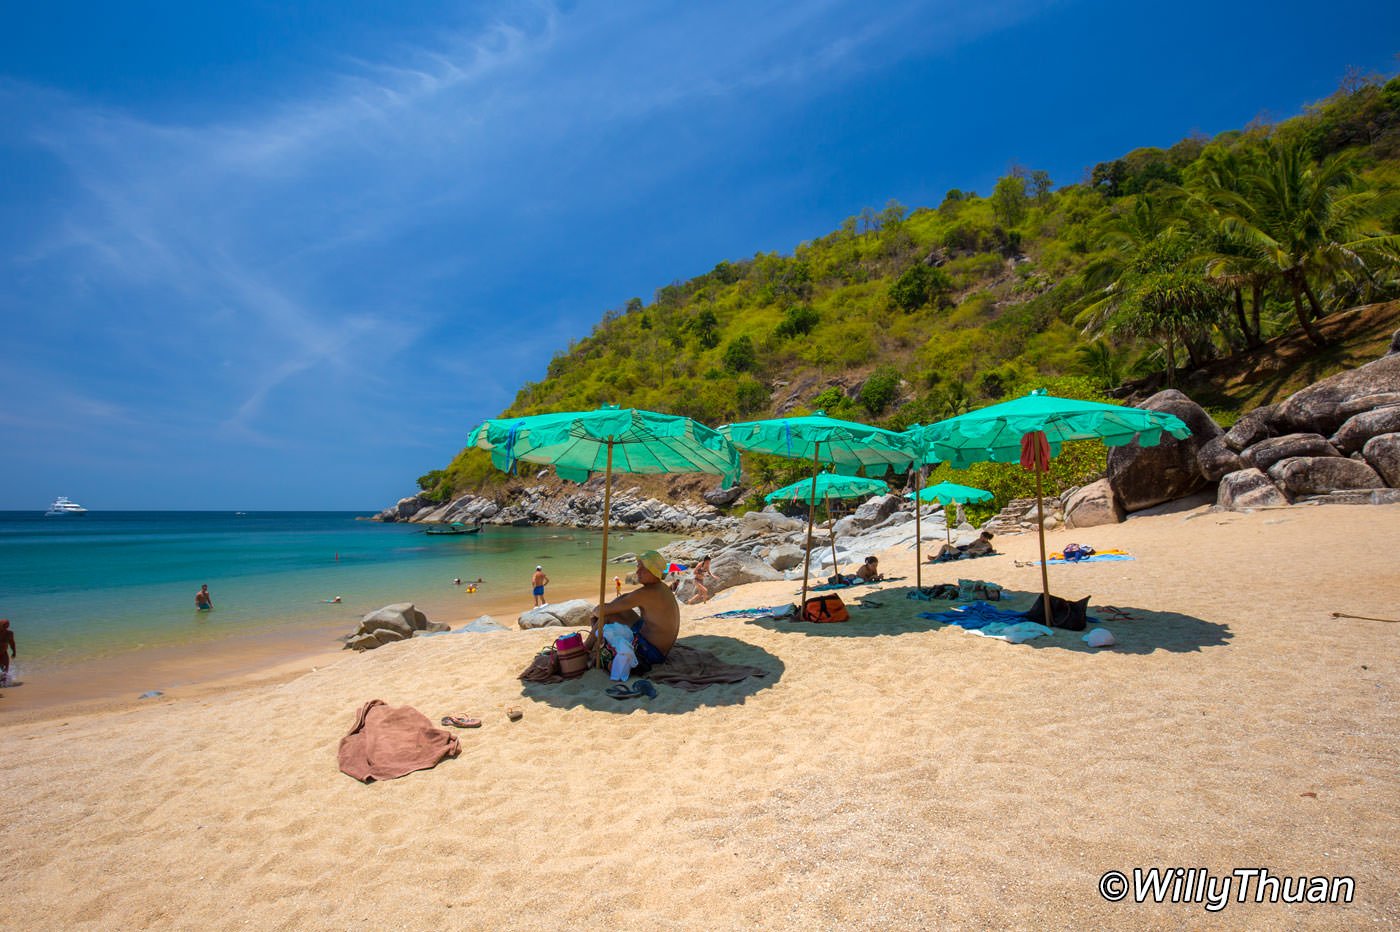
{"type": "Point", "coordinates": [259, 257]}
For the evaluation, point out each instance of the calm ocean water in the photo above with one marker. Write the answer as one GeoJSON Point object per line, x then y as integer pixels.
{"type": "Point", "coordinates": [89, 586]}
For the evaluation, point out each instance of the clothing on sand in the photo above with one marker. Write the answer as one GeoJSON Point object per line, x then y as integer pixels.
{"type": "Point", "coordinates": [388, 742]}
{"type": "Point", "coordinates": [691, 669]}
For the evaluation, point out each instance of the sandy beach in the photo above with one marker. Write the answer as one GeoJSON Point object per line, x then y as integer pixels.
{"type": "Point", "coordinates": [886, 773]}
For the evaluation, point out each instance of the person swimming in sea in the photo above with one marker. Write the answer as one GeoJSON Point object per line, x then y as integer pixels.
{"type": "Point", "coordinates": [203, 601]}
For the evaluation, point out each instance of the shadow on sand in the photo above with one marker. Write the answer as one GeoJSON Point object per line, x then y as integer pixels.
{"type": "Point", "coordinates": [590, 690]}
{"type": "Point", "coordinates": [1142, 631]}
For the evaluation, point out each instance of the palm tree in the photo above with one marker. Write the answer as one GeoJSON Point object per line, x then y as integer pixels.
{"type": "Point", "coordinates": [1145, 285]}
{"type": "Point", "coordinates": [1304, 220]}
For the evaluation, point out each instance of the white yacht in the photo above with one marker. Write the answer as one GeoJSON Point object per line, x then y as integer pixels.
{"type": "Point", "coordinates": [62, 506]}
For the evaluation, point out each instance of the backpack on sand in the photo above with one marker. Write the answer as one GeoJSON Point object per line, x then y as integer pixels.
{"type": "Point", "coordinates": [825, 608]}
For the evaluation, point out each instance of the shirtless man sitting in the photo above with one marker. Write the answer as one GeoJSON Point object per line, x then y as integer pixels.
{"type": "Point", "coordinates": [650, 611]}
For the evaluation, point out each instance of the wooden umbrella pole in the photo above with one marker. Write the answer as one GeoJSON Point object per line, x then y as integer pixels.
{"type": "Point", "coordinates": [918, 534]}
{"type": "Point", "coordinates": [1040, 527]}
{"type": "Point", "coordinates": [811, 514]}
{"type": "Point", "coordinates": [603, 573]}
{"type": "Point", "coordinates": [833, 531]}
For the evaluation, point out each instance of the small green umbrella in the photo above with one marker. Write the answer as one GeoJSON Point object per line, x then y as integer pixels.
{"type": "Point", "coordinates": [1031, 430]}
{"type": "Point", "coordinates": [846, 446]}
{"type": "Point", "coordinates": [827, 487]}
{"type": "Point", "coordinates": [579, 444]}
{"type": "Point", "coordinates": [951, 493]}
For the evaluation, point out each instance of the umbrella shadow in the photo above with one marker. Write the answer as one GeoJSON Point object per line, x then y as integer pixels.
{"type": "Point", "coordinates": [590, 690]}
{"type": "Point", "coordinates": [862, 624]}
{"type": "Point", "coordinates": [1137, 630]}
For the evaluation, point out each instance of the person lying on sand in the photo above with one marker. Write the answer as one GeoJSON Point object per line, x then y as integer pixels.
{"type": "Point", "coordinates": [869, 572]}
{"type": "Point", "coordinates": [980, 547]}
{"type": "Point", "coordinates": [651, 612]}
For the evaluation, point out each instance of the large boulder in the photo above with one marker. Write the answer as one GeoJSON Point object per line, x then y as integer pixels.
{"type": "Point", "coordinates": [758, 523]}
{"type": "Point", "coordinates": [1318, 475]}
{"type": "Point", "coordinates": [396, 622]}
{"type": "Point", "coordinates": [785, 556]}
{"type": "Point", "coordinates": [1092, 506]}
{"type": "Point", "coordinates": [869, 514]}
{"type": "Point", "coordinates": [1248, 488]}
{"type": "Point", "coordinates": [1367, 403]}
{"type": "Point", "coordinates": [734, 568]}
{"type": "Point", "coordinates": [1318, 408]}
{"type": "Point", "coordinates": [1359, 428]}
{"type": "Point", "coordinates": [574, 613]}
{"type": "Point", "coordinates": [1266, 453]}
{"type": "Point", "coordinates": [721, 497]}
{"type": "Point", "coordinates": [1382, 453]}
{"type": "Point", "coordinates": [1217, 460]}
{"type": "Point", "coordinates": [1145, 476]}
{"type": "Point", "coordinates": [1255, 426]}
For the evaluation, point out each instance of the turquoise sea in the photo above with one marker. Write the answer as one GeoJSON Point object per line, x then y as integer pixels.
{"type": "Point", "coordinates": [83, 587]}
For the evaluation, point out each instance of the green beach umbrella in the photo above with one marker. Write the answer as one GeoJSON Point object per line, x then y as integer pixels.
{"type": "Point", "coordinates": [580, 444]}
{"type": "Point", "coordinates": [846, 446]}
{"type": "Point", "coordinates": [923, 459]}
{"type": "Point", "coordinates": [827, 487]}
{"type": "Point", "coordinates": [949, 493]}
{"type": "Point", "coordinates": [1031, 429]}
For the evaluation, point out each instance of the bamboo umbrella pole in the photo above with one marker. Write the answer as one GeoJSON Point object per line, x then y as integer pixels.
{"type": "Point", "coordinates": [603, 573]}
{"type": "Point", "coordinates": [1040, 527]}
{"type": "Point", "coordinates": [918, 534]}
{"type": "Point", "coordinates": [832, 519]}
{"type": "Point", "coordinates": [811, 515]}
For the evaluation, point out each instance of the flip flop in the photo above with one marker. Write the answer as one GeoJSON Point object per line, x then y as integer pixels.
{"type": "Point", "coordinates": [645, 688]}
{"type": "Point", "coordinates": [466, 721]}
{"type": "Point", "coordinates": [514, 714]}
{"type": "Point", "coordinates": [623, 691]}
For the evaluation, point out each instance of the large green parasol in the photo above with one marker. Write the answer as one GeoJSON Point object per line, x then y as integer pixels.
{"type": "Point", "coordinates": [1031, 429]}
{"type": "Point", "coordinates": [844, 445]}
{"type": "Point", "coordinates": [579, 444]}
{"type": "Point", "coordinates": [827, 487]}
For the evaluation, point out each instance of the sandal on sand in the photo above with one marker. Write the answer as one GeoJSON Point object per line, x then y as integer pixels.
{"type": "Point", "coordinates": [460, 721]}
{"type": "Point", "coordinates": [514, 714]}
{"type": "Point", "coordinates": [623, 691]}
{"type": "Point", "coordinates": [645, 688]}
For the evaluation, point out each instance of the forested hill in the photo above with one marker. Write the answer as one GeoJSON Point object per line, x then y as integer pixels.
{"type": "Point", "coordinates": [1160, 263]}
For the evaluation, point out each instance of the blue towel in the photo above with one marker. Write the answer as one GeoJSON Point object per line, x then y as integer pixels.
{"type": "Point", "coordinates": [974, 615]}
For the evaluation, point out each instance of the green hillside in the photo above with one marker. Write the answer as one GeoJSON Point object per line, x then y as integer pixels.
{"type": "Point", "coordinates": [1161, 263]}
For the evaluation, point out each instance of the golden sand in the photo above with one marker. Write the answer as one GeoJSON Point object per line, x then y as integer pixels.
{"type": "Point", "coordinates": [889, 773]}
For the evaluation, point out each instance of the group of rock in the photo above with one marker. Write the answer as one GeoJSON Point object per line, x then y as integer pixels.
{"type": "Point", "coordinates": [1338, 440]}
{"type": "Point", "coordinates": [579, 506]}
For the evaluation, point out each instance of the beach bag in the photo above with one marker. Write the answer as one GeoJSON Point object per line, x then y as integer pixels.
{"type": "Point", "coordinates": [1071, 616]}
{"type": "Point", "coordinates": [825, 608]}
{"type": "Point", "coordinates": [570, 655]}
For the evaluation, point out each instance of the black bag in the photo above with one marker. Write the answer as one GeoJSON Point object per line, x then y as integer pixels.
{"type": "Point", "coordinates": [1071, 616]}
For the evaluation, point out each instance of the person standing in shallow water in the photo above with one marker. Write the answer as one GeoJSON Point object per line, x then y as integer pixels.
{"type": "Point", "coordinates": [538, 582]}
{"type": "Point", "coordinates": [7, 650]}
{"type": "Point", "coordinates": [203, 601]}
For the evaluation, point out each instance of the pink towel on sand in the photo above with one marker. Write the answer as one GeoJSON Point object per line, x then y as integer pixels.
{"type": "Point", "coordinates": [389, 742]}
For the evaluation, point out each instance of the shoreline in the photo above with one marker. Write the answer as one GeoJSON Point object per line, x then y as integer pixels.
{"type": "Point", "coordinates": [241, 661]}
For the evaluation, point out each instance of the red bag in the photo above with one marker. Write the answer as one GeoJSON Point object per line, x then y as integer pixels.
{"type": "Point", "coordinates": [572, 641]}
{"type": "Point", "coordinates": [572, 658]}
{"type": "Point", "coordinates": [825, 608]}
